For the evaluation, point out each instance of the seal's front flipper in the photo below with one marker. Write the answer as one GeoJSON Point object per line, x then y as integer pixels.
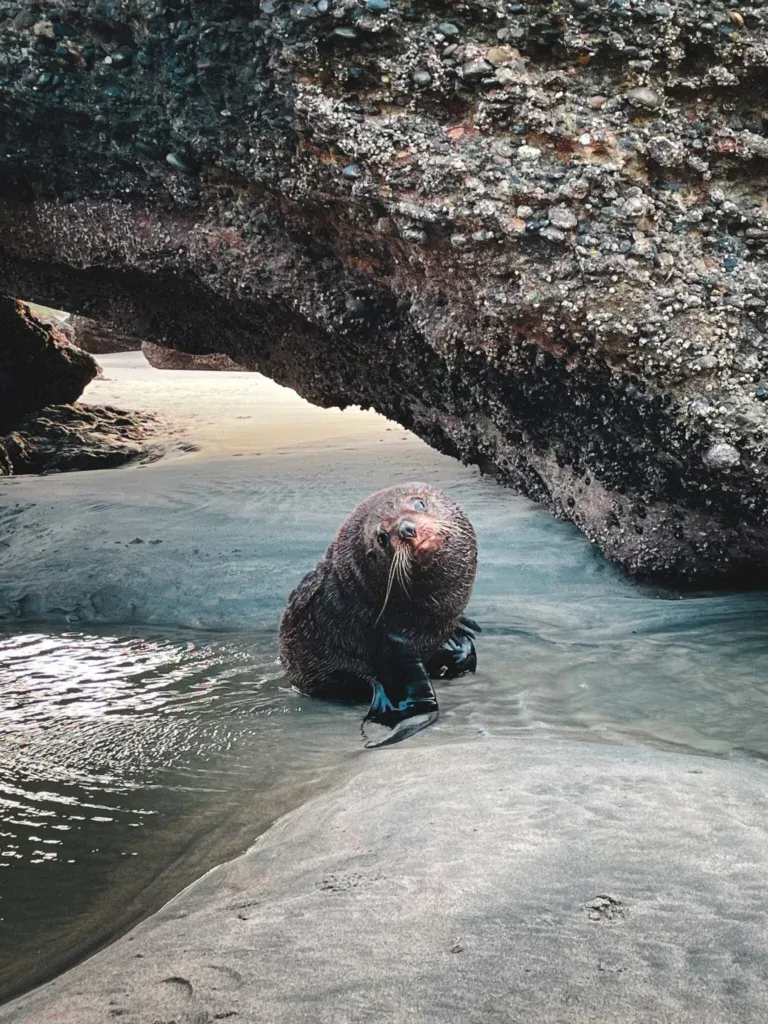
{"type": "Point", "coordinates": [457, 655]}
{"type": "Point", "coordinates": [403, 699]}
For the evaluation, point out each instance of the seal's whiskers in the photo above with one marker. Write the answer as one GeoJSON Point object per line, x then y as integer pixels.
{"type": "Point", "coordinates": [390, 581]}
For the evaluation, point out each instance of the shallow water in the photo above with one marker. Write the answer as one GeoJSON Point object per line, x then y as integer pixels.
{"type": "Point", "coordinates": [132, 757]}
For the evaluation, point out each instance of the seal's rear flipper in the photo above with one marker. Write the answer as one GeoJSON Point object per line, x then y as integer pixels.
{"type": "Point", "coordinates": [404, 703]}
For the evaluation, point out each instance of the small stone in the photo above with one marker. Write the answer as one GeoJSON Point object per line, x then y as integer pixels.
{"type": "Point", "coordinates": [323, 6]}
{"type": "Point", "coordinates": [475, 69]}
{"type": "Point", "coordinates": [343, 36]}
{"type": "Point", "coordinates": [643, 96]}
{"type": "Point", "coordinates": [122, 58]}
{"type": "Point", "coordinates": [701, 407]}
{"type": "Point", "coordinates": [512, 225]}
{"type": "Point", "coordinates": [148, 149]}
{"type": "Point", "coordinates": [459, 241]}
{"type": "Point", "coordinates": [553, 234]}
{"type": "Point", "coordinates": [634, 207]}
{"type": "Point", "coordinates": [722, 456]}
{"type": "Point", "coordinates": [180, 163]}
{"type": "Point", "coordinates": [450, 50]}
{"type": "Point", "coordinates": [761, 394]}
{"type": "Point", "coordinates": [502, 34]}
{"type": "Point", "coordinates": [596, 102]}
{"type": "Point", "coordinates": [414, 234]}
{"type": "Point", "coordinates": [643, 247]}
{"type": "Point", "coordinates": [143, 59]}
{"type": "Point", "coordinates": [305, 12]}
{"type": "Point", "coordinates": [562, 217]}
{"type": "Point", "coordinates": [385, 226]}
{"type": "Point", "coordinates": [421, 77]}
{"type": "Point", "coordinates": [448, 29]}
{"type": "Point", "coordinates": [707, 362]}
{"type": "Point", "coordinates": [736, 18]}
{"type": "Point", "coordinates": [528, 154]}
{"type": "Point", "coordinates": [377, 6]}
{"type": "Point", "coordinates": [508, 76]}
{"type": "Point", "coordinates": [525, 212]}
{"type": "Point", "coordinates": [666, 152]}
{"type": "Point", "coordinates": [499, 55]}
{"type": "Point", "coordinates": [351, 171]}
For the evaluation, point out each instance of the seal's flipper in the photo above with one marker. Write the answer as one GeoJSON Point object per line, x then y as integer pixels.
{"type": "Point", "coordinates": [403, 699]}
{"type": "Point", "coordinates": [457, 656]}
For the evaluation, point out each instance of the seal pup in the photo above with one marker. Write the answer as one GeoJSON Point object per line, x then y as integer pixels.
{"type": "Point", "coordinates": [383, 610]}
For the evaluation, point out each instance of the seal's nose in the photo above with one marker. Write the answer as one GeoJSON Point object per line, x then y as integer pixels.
{"type": "Point", "coordinates": [406, 530]}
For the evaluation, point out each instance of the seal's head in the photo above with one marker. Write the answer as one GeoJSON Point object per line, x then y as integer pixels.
{"type": "Point", "coordinates": [414, 548]}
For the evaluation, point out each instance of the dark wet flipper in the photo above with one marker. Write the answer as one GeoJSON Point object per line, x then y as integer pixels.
{"type": "Point", "coordinates": [455, 658]}
{"type": "Point", "coordinates": [469, 627]}
{"type": "Point", "coordinates": [403, 699]}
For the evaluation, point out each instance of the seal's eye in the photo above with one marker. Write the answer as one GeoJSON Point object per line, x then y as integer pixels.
{"type": "Point", "coordinates": [419, 505]}
{"type": "Point", "coordinates": [383, 538]}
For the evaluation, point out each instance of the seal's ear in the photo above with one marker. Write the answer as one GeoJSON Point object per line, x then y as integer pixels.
{"type": "Point", "coordinates": [404, 701]}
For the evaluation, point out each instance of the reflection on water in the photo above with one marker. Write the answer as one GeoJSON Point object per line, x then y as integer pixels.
{"type": "Point", "coordinates": [124, 757]}
{"type": "Point", "coordinates": [131, 760]}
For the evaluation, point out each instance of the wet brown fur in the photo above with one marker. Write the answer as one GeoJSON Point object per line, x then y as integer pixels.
{"type": "Point", "coordinates": [329, 631]}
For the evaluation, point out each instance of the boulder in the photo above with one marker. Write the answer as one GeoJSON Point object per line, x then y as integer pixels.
{"type": "Point", "coordinates": [38, 366]}
{"type": "Point", "coordinates": [533, 234]}
{"type": "Point", "coordinates": [62, 438]}
{"type": "Point", "coordinates": [171, 359]}
{"type": "Point", "coordinates": [502, 879]}
{"type": "Point", "coordinates": [100, 338]}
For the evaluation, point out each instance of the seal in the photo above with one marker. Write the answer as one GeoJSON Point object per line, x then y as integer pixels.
{"type": "Point", "coordinates": [383, 610]}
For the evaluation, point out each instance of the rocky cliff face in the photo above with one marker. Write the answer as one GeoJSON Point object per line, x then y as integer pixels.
{"type": "Point", "coordinates": [534, 233]}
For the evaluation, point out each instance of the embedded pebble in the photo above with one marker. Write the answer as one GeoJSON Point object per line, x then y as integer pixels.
{"type": "Point", "coordinates": [722, 456]}
{"type": "Point", "coordinates": [562, 217]}
{"type": "Point", "coordinates": [644, 97]}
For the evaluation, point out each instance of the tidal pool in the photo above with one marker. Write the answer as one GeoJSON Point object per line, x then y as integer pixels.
{"type": "Point", "coordinates": [132, 759]}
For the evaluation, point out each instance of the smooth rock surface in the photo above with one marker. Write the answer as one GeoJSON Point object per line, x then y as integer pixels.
{"type": "Point", "coordinates": [491, 880]}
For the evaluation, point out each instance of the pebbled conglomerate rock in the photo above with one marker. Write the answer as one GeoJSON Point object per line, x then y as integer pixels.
{"type": "Point", "coordinates": [533, 233]}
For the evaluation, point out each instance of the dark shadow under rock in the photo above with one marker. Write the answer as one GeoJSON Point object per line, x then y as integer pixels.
{"type": "Point", "coordinates": [62, 438]}
{"type": "Point", "coordinates": [163, 358]}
